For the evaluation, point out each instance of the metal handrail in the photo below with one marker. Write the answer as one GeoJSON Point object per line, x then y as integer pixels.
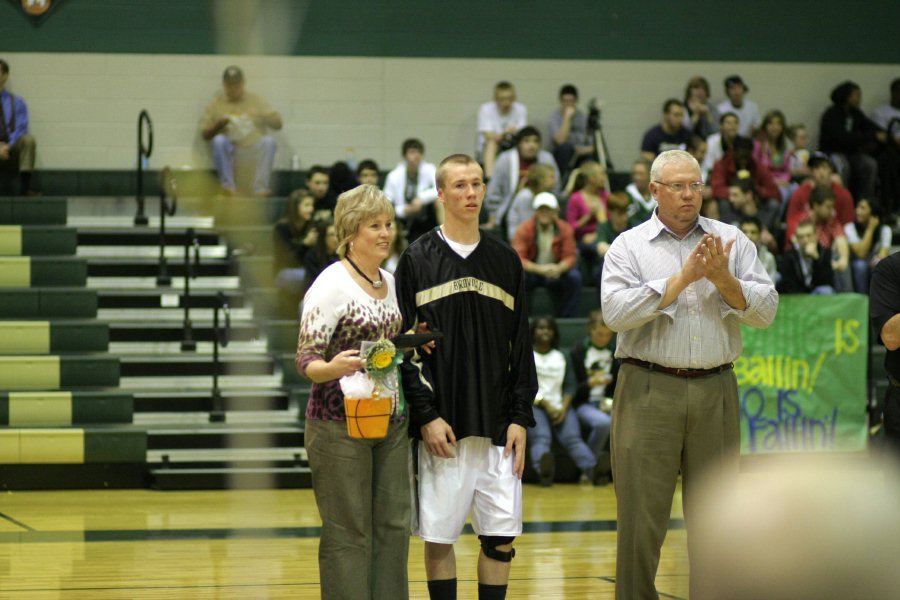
{"type": "Point", "coordinates": [167, 186]}
{"type": "Point", "coordinates": [143, 153]}
{"type": "Point", "coordinates": [188, 343]}
{"type": "Point", "coordinates": [220, 338]}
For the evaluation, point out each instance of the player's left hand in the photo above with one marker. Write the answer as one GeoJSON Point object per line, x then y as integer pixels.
{"type": "Point", "coordinates": [515, 442]}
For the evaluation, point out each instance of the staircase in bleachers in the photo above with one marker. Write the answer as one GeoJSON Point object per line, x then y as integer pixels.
{"type": "Point", "coordinates": [63, 422]}
{"type": "Point", "coordinates": [260, 443]}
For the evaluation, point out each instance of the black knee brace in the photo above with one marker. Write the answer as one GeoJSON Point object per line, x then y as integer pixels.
{"type": "Point", "coordinates": [489, 545]}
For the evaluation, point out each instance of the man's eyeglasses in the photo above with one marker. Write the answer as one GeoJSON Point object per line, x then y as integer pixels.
{"type": "Point", "coordinates": [695, 187]}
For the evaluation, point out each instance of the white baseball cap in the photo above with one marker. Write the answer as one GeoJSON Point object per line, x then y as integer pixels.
{"type": "Point", "coordinates": [545, 199]}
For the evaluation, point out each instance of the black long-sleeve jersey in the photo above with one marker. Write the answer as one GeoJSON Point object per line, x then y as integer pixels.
{"type": "Point", "coordinates": [480, 377]}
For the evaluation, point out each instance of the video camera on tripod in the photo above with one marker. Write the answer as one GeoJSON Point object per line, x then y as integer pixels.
{"type": "Point", "coordinates": [595, 132]}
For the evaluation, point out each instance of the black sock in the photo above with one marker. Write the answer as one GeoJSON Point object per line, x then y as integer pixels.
{"type": "Point", "coordinates": [491, 592]}
{"type": "Point", "coordinates": [25, 177]}
{"type": "Point", "coordinates": [442, 589]}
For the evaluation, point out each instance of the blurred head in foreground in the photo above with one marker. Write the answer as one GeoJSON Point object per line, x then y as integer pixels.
{"type": "Point", "coordinates": [808, 528]}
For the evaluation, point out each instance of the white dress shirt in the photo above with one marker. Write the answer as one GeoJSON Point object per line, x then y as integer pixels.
{"type": "Point", "coordinates": [699, 330]}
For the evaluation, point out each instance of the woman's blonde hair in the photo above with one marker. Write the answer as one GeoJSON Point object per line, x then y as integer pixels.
{"type": "Point", "coordinates": [355, 206]}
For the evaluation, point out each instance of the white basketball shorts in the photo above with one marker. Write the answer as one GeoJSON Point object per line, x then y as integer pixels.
{"type": "Point", "coordinates": [479, 479]}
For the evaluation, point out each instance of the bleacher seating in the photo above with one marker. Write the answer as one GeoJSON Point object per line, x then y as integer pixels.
{"type": "Point", "coordinates": [55, 372]}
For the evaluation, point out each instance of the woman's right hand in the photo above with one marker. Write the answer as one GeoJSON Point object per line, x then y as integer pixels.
{"type": "Point", "coordinates": [345, 363]}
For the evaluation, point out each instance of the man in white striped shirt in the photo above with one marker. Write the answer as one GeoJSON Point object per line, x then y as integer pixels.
{"type": "Point", "coordinates": [676, 288]}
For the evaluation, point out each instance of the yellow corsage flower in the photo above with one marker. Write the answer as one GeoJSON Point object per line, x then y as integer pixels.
{"type": "Point", "coordinates": [382, 359]}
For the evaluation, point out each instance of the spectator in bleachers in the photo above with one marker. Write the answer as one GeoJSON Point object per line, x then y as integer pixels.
{"type": "Point", "coordinates": [617, 206]}
{"type": "Point", "coordinates": [568, 128]}
{"type": "Point", "coordinates": [822, 176]}
{"type": "Point", "coordinates": [851, 139]}
{"type": "Point", "coordinates": [753, 229]}
{"type": "Point", "coordinates": [743, 202]}
{"type": "Point", "coordinates": [511, 172]}
{"type": "Point", "coordinates": [498, 122]}
{"type": "Point", "coordinates": [540, 178]}
{"type": "Point", "coordinates": [318, 182]}
{"type": "Point", "coordinates": [361, 486]}
{"type": "Point", "coordinates": [294, 235]}
{"type": "Point", "coordinates": [886, 113]}
{"type": "Point", "coordinates": [746, 110]}
{"type": "Point", "coordinates": [237, 124]}
{"type": "Point", "coordinates": [774, 150]}
{"type": "Point", "coordinates": [700, 117]}
{"type": "Point", "coordinates": [697, 148]}
{"type": "Point", "coordinates": [642, 201]}
{"type": "Point", "coordinates": [323, 253]}
{"type": "Point", "coordinates": [595, 371]}
{"type": "Point", "coordinates": [799, 138]}
{"type": "Point", "coordinates": [412, 189]}
{"type": "Point", "coordinates": [553, 410]}
{"type": "Point", "coordinates": [617, 221]}
{"type": "Point", "coordinates": [398, 245]}
{"type": "Point", "coordinates": [739, 164]}
{"type": "Point", "coordinates": [710, 209]}
{"type": "Point", "coordinates": [367, 172]}
{"type": "Point", "coordinates": [806, 267]}
{"type": "Point", "coordinates": [721, 142]}
{"type": "Point", "coordinates": [16, 143]}
{"type": "Point", "coordinates": [831, 235]}
{"type": "Point", "coordinates": [887, 116]}
{"type": "Point", "coordinates": [546, 246]}
{"type": "Point", "coordinates": [669, 134]}
{"type": "Point", "coordinates": [586, 209]}
{"type": "Point", "coordinates": [341, 178]}
{"type": "Point", "coordinates": [869, 241]}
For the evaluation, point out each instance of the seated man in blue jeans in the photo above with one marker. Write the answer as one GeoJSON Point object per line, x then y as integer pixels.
{"type": "Point", "coordinates": [236, 122]}
{"type": "Point", "coordinates": [546, 245]}
{"type": "Point", "coordinates": [16, 143]}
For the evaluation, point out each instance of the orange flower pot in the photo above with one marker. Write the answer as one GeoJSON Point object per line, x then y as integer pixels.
{"type": "Point", "coordinates": [367, 417]}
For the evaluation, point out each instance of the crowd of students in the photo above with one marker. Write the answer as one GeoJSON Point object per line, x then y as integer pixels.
{"type": "Point", "coordinates": [552, 200]}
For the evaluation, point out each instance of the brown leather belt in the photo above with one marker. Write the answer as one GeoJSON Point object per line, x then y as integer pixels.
{"type": "Point", "coordinates": [686, 373]}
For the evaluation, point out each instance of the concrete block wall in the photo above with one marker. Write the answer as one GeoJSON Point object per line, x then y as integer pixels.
{"type": "Point", "coordinates": [84, 107]}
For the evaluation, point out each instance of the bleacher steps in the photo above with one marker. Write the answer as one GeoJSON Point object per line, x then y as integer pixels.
{"type": "Point", "coordinates": [189, 364]}
{"type": "Point", "coordinates": [150, 403]}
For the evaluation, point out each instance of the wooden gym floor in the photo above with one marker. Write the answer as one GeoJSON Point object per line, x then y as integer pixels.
{"type": "Point", "coordinates": [139, 544]}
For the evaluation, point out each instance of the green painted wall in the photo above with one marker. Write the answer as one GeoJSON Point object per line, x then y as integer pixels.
{"type": "Point", "coordinates": [757, 31]}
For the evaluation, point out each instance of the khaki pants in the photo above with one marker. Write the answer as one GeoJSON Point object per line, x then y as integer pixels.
{"type": "Point", "coordinates": [24, 151]}
{"type": "Point", "coordinates": [662, 424]}
{"type": "Point", "coordinates": [362, 491]}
